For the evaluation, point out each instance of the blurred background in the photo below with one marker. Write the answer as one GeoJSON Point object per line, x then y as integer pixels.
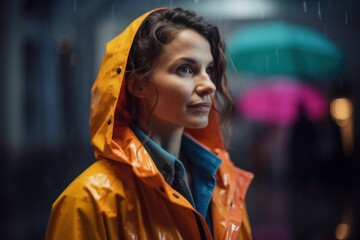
{"type": "Point", "coordinates": [293, 69]}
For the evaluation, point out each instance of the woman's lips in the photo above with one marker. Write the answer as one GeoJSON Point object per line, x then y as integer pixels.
{"type": "Point", "coordinates": [201, 107]}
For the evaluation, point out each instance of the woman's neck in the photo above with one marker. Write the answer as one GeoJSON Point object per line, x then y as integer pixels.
{"type": "Point", "coordinates": [166, 135]}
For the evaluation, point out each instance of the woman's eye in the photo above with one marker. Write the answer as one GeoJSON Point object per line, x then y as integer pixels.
{"type": "Point", "coordinates": [184, 69]}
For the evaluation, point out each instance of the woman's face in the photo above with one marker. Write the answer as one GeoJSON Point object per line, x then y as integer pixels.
{"type": "Point", "coordinates": [182, 79]}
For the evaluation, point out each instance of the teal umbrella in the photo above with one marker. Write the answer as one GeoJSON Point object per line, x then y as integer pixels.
{"type": "Point", "coordinates": [280, 48]}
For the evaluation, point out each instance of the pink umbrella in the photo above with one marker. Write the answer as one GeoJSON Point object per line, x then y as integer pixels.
{"type": "Point", "coordinates": [281, 100]}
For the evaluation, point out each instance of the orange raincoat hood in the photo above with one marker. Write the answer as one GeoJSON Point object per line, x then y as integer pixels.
{"type": "Point", "coordinates": [116, 145]}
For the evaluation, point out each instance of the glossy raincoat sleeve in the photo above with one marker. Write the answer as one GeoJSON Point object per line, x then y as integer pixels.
{"type": "Point", "coordinates": [73, 218]}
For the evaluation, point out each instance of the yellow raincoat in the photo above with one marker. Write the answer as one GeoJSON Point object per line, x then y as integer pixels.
{"type": "Point", "coordinates": [123, 195]}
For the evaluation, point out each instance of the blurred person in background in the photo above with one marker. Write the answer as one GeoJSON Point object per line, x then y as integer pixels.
{"type": "Point", "coordinates": [157, 110]}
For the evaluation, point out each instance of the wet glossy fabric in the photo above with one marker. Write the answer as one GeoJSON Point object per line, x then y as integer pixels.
{"type": "Point", "coordinates": [123, 195]}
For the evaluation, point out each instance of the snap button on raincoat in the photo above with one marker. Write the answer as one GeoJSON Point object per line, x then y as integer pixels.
{"type": "Point", "coordinates": [123, 195]}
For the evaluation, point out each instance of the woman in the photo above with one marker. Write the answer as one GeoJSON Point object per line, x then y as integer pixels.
{"type": "Point", "coordinates": [162, 171]}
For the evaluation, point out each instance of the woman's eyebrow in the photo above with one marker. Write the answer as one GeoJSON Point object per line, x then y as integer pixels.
{"type": "Point", "coordinates": [193, 61]}
{"type": "Point", "coordinates": [189, 60]}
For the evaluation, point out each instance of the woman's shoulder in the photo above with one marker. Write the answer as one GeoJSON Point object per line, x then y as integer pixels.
{"type": "Point", "coordinates": [99, 181]}
{"type": "Point", "coordinates": [92, 197]}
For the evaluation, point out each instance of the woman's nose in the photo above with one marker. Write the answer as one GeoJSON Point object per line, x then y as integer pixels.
{"type": "Point", "coordinates": [205, 85]}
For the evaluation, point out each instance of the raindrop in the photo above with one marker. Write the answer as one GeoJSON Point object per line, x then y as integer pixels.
{"type": "Point", "coordinates": [75, 5]}
{"type": "Point", "coordinates": [277, 55]}
{"type": "Point", "coordinates": [305, 6]}
{"type": "Point", "coordinates": [346, 18]}
{"type": "Point", "coordinates": [196, 1]}
{"type": "Point", "coordinates": [170, 3]}
{"type": "Point", "coordinates": [319, 10]}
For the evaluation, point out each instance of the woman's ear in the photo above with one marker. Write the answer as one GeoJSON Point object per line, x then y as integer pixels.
{"type": "Point", "coordinates": [136, 87]}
